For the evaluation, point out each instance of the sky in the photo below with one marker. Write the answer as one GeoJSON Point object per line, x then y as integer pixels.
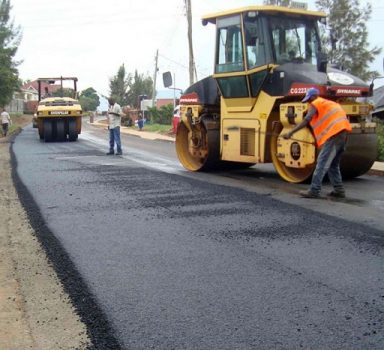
{"type": "Point", "coordinates": [91, 39]}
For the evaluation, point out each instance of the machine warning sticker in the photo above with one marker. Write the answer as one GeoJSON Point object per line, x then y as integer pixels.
{"type": "Point", "coordinates": [189, 98]}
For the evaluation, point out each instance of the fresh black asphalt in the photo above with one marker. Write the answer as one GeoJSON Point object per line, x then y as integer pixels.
{"type": "Point", "coordinates": [155, 260]}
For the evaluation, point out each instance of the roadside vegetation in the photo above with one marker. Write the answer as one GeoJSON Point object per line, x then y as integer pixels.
{"type": "Point", "coordinates": [162, 115]}
{"type": "Point", "coordinates": [18, 122]}
{"type": "Point", "coordinates": [129, 89]}
{"type": "Point", "coordinates": [155, 127]}
{"type": "Point", "coordinates": [380, 132]}
{"type": "Point", "coordinates": [10, 37]}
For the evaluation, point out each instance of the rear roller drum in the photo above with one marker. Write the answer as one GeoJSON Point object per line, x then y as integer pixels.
{"type": "Point", "coordinates": [359, 156]}
{"type": "Point", "coordinates": [198, 150]}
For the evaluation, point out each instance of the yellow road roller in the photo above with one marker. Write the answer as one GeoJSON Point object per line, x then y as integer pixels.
{"type": "Point", "coordinates": [58, 117]}
{"type": "Point", "coordinates": [266, 58]}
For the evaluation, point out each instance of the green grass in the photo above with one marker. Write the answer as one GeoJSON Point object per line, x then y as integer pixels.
{"type": "Point", "coordinates": [12, 129]}
{"type": "Point", "coordinates": [18, 121]}
{"type": "Point", "coordinates": [380, 133]}
{"type": "Point", "coordinates": [157, 128]}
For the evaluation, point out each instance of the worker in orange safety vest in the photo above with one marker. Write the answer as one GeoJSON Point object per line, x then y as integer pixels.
{"type": "Point", "coordinates": [330, 127]}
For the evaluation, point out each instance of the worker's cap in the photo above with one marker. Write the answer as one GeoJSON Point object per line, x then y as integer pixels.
{"type": "Point", "coordinates": [310, 93]}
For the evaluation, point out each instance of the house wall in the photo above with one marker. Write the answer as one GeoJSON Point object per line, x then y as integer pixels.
{"type": "Point", "coordinates": [16, 106]}
{"type": "Point", "coordinates": [164, 102]}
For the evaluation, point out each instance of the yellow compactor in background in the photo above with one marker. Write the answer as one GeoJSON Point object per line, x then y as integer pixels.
{"type": "Point", "coordinates": [266, 58]}
{"type": "Point", "coordinates": [58, 118]}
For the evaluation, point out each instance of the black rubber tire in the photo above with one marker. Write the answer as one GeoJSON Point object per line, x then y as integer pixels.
{"type": "Point", "coordinates": [48, 131]}
{"type": "Point", "coordinates": [72, 133]}
{"type": "Point", "coordinates": [60, 130]}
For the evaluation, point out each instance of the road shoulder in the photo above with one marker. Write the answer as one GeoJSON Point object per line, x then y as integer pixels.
{"type": "Point", "coordinates": [35, 312]}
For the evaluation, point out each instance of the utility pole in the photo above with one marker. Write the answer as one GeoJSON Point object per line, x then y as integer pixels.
{"type": "Point", "coordinates": [192, 70]}
{"type": "Point", "coordinates": [154, 78]}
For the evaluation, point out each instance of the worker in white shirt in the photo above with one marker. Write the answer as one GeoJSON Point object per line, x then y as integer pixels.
{"type": "Point", "coordinates": [5, 121]}
{"type": "Point", "coordinates": [114, 122]}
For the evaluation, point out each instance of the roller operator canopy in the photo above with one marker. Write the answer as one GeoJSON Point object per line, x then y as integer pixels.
{"type": "Point", "coordinates": [271, 10]}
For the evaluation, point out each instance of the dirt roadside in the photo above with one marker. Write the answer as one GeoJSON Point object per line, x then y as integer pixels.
{"type": "Point", "coordinates": [35, 312]}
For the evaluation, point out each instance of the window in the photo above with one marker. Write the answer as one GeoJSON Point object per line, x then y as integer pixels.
{"type": "Point", "coordinates": [256, 81]}
{"type": "Point", "coordinates": [254, 44]}
{"type": "Point", "coordinates": [233, 87]}
{"type": "Point", "coordinates": [294, 40]}
{"type": "Point", "coordinates": [229, 45]}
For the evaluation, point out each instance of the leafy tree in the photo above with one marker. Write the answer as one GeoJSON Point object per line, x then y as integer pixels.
{"type": "Point", "coordinates": [347, 44]}
{"type": "Point", "coordinates": [139, 85]}
{"type": "Point", "coordinates": [10, 37]}
{"type": "Point", "coordinates": [89, 99]}
{"type": "Point", "coordinates": [65, 92]}
{"type": "Point", "coordinates": [126, 88]}
{"type": "Point", "coordinates": [118, 86]}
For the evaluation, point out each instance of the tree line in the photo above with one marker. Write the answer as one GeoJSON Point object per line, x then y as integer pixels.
{"type": "Point", "coordinates": [345, 37]}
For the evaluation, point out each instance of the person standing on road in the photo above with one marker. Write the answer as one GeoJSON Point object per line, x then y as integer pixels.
{"type": "Point", "coordinates": [114, 122]}
{"type": "Point", "coordinates": [330, 126]}
{"type": "Point", "coordinates": [140, 122]}
{"type": "Point", "coordinates": [5, 121]}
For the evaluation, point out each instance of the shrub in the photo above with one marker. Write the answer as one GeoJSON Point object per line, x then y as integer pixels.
{"type": "Point", "coordinates": [162, 115]}
{"type": "Point", "coordinates": [380, 134]}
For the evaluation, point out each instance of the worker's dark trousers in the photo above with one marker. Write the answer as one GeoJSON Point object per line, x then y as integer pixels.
{"type": "Point", "coordinates": [328, 161]}
{"type": "Point", "coordinates": [5, 128]}
{"type": "Point", "coordinates": [114, 137]}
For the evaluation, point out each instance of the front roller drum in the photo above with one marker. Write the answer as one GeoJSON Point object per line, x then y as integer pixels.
{"type": "Point", "coordinates": [290, 174]}
{"type": "Point", "coordinates": [198, 150]}
{"type": "Point", "coordinates": [360, 154]}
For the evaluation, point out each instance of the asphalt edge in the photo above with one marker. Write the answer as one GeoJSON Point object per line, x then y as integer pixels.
{"type": "Point", "coordinates": [100, 332]}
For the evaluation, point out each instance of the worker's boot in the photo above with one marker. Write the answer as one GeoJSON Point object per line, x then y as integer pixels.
{"type": "Point", "coordinates": [336, 194]}
{"type": "Point", "coordinates": [308, 194]}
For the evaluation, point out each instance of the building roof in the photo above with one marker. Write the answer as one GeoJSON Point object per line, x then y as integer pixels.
{"type": "Point", "coordinates": [378, 97]}
{"type": "Point", "coordinates": [33, 85]}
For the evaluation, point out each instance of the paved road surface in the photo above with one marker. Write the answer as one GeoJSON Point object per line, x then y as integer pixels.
{"type": "Point", "coordinates": [161, 260]}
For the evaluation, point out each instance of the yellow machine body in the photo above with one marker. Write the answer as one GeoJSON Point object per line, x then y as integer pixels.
{"type": "Point", "coordinates": [58, 118]}
{"type": "Point", "coordinates": [266, 59]}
